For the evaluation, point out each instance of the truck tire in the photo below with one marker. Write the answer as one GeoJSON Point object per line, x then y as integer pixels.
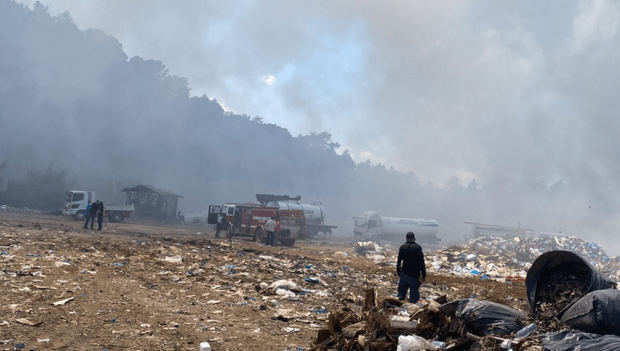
{"type": "Point", "coordinates": [115, 216]}
{"type": "Point", "coordinates": [259, 235]}
{"type": "Point", "coordinates": [80, 216]}
{"type": "Point", "coordinates": [285, 233]}
{"type": "Point", "coordinates": [287, 242]}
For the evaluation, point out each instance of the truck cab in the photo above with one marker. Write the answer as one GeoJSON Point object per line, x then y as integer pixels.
{"type": "Point", "coordinates": [76, 202]}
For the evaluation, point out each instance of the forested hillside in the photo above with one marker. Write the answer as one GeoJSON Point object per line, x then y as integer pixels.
{"type": "Point", "coordinates": [75, 109]}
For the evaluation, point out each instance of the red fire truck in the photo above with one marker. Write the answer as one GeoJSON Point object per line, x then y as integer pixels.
{"type": "Point", "coordinates": [248, 220]}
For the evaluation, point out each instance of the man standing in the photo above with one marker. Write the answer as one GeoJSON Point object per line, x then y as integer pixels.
{"type": "Point", "coordinates": [92, 213]}
{"type": "Point", "coordinates": [270, 227]}
{"type": "Point", "coordinates": [408, 267]}
{"type": "Point", "coordinates": [100, 210]}
{"type": "Point", "coordinates": [219, 225]}
{"type": "Point", "coordinates": [88, 214]}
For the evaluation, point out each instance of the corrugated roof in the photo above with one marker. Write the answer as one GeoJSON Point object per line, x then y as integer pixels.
{"type": "Point", "coordinates": [150, 189]}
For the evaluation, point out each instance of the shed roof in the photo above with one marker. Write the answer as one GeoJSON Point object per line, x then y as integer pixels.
{"type": "Point", "coordinates": [150, 189]}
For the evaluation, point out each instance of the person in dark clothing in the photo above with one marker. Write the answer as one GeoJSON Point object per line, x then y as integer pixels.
{"type": "Point", "coordinates": [409, 266]}
{"type": "Point", "coordinates": [92, 214]}
{"type": "Point", "coordinates": [89, 214]}
{"type": "Point", "coordinates": [100, 210]}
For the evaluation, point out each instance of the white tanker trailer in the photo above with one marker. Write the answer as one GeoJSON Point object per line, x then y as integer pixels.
{"type": "Point", "coordinates": [371, 226]}
{"type": "Point", "coordinates": [315, 217]}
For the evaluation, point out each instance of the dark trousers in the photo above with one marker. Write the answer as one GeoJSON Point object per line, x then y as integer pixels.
{"type": "Point", "coordinates": [99, 221]}
{"type": "Point", "coordinates": [412, 283]}
{"type": "Point", "coordinates": [90, 218]}
{"type": "Point", "coordinates": [270, 238]}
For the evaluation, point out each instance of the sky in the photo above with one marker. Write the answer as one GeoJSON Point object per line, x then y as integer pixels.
{"type": "Point", "coordinates": [517, 91]}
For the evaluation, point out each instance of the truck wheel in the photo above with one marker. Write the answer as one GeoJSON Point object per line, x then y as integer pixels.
{"type": "Point", "coordinates": [287, 242]}
{"type": "Point", "coordinates": [80, 216]}
{"type": "Point", "coordinates": [259, 235]}
{"type": "Point", "coordinates": [115, 217]}
{"type": "Point", "coordinates": [285, 233]}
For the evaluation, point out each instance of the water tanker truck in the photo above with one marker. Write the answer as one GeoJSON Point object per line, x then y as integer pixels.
{"type": "Point", "coordinates": [372, 226]}
{"type": "Point", "coordinates": [315, 217]}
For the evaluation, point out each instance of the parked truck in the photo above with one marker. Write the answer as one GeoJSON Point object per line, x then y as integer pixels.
{"type": "Point", "coordinates": [314, 214]}
{"type": "Point", "coordinates": [371, 226]}
{"type": "Point", "coordinates": [76, 202]}
{"type": "Point", "coordinates": [249, 219]}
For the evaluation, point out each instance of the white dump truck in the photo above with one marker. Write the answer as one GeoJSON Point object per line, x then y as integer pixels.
{"type": "Point", "coordinates": [371, 226]}
{"type": "Point", "coordinates": [76, 202]}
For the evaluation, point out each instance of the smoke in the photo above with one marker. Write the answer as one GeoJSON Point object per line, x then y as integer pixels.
{"type": "Point", "coordinates": [519, 97]}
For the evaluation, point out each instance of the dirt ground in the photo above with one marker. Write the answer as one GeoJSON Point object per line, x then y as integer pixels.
{"type": "Point", "coordinates": [147, 287]}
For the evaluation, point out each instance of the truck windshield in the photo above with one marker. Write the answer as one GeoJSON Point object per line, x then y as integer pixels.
{"type": "Point", "coordinates": [77, 197]}
{"type": "Point", "coordinates": [361, 222]}
{"type": "Point", "coordinates": [68, 196]}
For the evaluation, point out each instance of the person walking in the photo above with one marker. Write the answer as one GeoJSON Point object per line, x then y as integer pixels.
{"type": "Point", "coordinates": [100, 210]}
{"type": "Point", "coordinates": [409, 267]}
{"type": "Point", "coordinates": [92, 214]}
{"type": "Point", "coordinates": [88, 214]}
{"type": "Point", "coordinates": [270, 227]}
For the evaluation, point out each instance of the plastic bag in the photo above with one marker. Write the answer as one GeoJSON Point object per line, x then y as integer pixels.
{"type": "Point", "coordinates": [596, 312]}
{"type": "Point", "coordinates": [485, 317]}
{"type": "Point", "coordinates": [571, 340]}
{"type": "Point", "coordinates": [575, 271]}
{"type": "Point", "coordinates": [414, 343]}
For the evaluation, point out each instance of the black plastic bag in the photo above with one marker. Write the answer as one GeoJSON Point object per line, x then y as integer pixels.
{"type": "Point", "coordinates": [596, 312]}
{"type": "Point", "coordinates": [485, 317]}
{"type": "Point", "coordinates": [571, 340]}
{"type": "Point", "coordinates": [569, 271]}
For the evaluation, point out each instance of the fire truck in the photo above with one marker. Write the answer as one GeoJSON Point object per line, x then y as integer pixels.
{"type": "Point", "coordinates": [248, 220]}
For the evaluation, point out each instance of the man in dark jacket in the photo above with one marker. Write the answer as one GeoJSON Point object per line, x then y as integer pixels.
{"type": "Point", "coordinates": [92, 213]}
{"type": "Point", "coordinates": [100, 210]}
{"type": "Point", "coordinates": [409, 266]}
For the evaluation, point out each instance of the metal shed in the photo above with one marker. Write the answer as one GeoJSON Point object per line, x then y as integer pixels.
{"type": "Point", "coordinates": [153, 202]}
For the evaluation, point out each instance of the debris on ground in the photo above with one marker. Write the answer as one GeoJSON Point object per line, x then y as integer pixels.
{"type": "Point", "coordinates": [509, 258]}
{"type": "Point", "coordinates": [136, 286]}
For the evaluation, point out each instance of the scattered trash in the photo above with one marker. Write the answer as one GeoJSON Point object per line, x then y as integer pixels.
{"type": "Point", "coordinates": [570, 340]}
{"type": "Point", "coordinates": [62, 302]}
{"type": "Point", "coordinates": [174, 259]}
{"type": "Point", "coordinates": [204, 346]}
{"type": "Point", "coordinates": [597, 312]}
{"type": "Point", "coordinates": [485, 317]}
{"type": "Point", "coordinates": [526, 331]}
{"type": "Point", "coordinates": [27, 322]}
{"type": "Point", "coordinates": [414, 343]}
{"type": "Point", "coordinates": [558, 278]}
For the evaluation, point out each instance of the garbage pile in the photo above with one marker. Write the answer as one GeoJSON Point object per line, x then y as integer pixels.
{"type": "Point", "coordinates": [564, 292]}
{"type": "Point", "coordinates": [510, 258]}
{"type": "Point", "coordinates": [466, 324]}
{"type": "Point", "coordinates": [373, 251]}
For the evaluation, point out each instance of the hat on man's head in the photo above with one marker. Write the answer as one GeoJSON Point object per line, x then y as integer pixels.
{"type": "Point", "coordinates": [410, 236]}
